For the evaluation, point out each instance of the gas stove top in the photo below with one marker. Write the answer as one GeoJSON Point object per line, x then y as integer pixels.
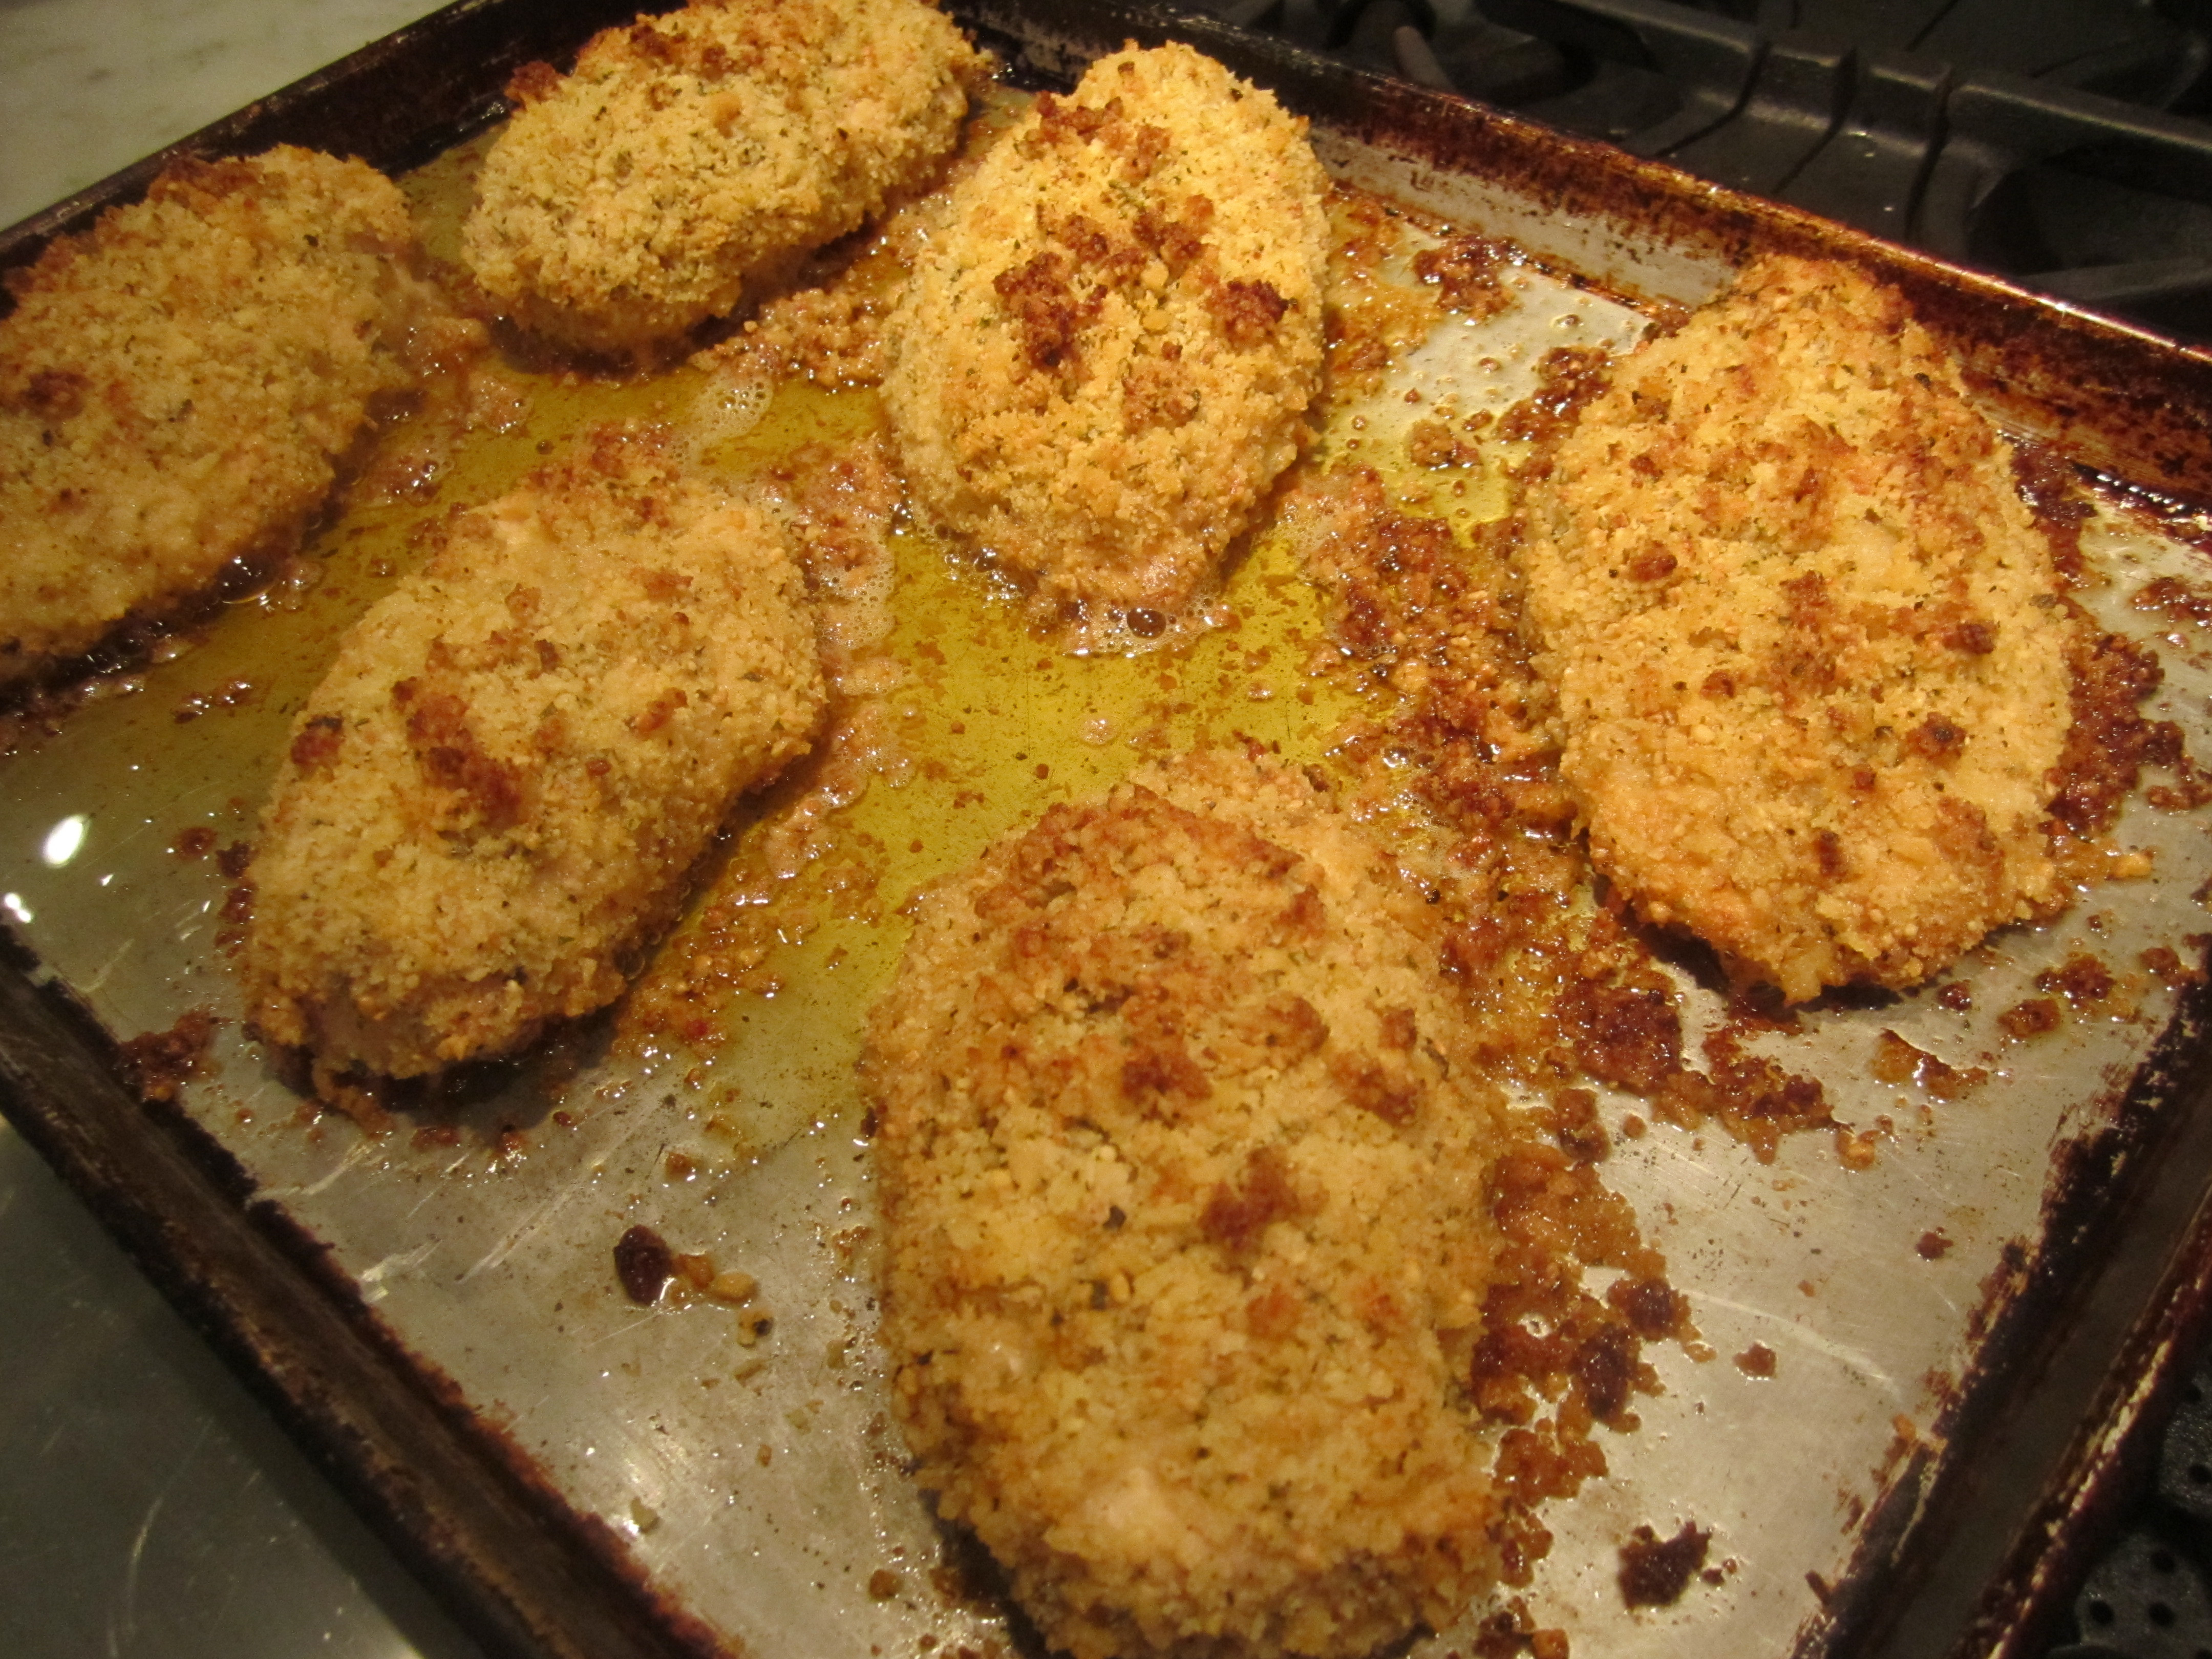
{"type": "Point", "coordinates": [2066, 144]}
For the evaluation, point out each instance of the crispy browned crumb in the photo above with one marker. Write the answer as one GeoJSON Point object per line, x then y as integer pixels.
{"type": "Point", "coordinates": [494, 798]}
{"type": "Point", "coordinates": [176, 384]}
{"type": "Point", "coordinates": [1809, 650]}
{"type": "Point", "coordinates": [688, 155]}
{"type": "Point", "coordinates": [831, 323]}
{"type": "Point", "coordinates": [1185, 1154]}
{"type": "Point", "coordinates": [1107, 355]}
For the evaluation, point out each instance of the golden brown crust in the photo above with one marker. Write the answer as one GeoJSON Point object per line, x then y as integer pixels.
{"type": "Point", "coordinates": [1109, 356]}
{"type": "Point", "coordinates": [176, 384]}
{"type": "Point", "coordinates": [494, 797]}
{"type": "Point", "coordinates": [1809, 651]}
{"type": "Point", "coordinates": [1184, 1157]}
{"type": "Point", "coordinates": [688, 155]}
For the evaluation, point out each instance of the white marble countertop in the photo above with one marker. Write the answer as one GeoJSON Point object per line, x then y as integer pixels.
{"type": "Point", "coordinates": [89, 86]}
{"type": "Point", "coordinates": [149, 1508]}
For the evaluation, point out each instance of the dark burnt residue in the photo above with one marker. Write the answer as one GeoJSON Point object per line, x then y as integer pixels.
{"type": "Point", "coordinates": [158, 1065]}
{"type": "Point", "coordinates": [1605, 1366]}
{"type": "Point", "coordinates": [1655, 1570]}
{"type": "Point", "coordinates": [2174, 599]}
{"type": "Point", "coordinates": [2165, 964]}
{"type": "Point", "coordinates": [2051, 488]}
{"type": "Point", "coordinates": [1465, 272]}
{"type": "Point", "coordinates": [2081, 979]}
{"type": "Point", "coordinates": [1568, 378]}
{"type": "Point", "coordinates": [1756, 1360]}
{"type": "Point", "coordinates": [1510, 1631]}
{"type": "Point", "coordinates": [2110, 740]}
{"type": "Point", "coordinates": [1630, 1037]}
{"type": "Point", "coordinates": [1544, 1332]}
{"type": "Point", "coordinates": [644, 1264]}
{"type": "Point", "coordinates": [2001, 1285]}
{"type": "Point", "coordinates": [1575, 1124]}
{"type": "Point", "coordinates": [1654, 1308]}
{"type": "Point", "coordinates": [1896, 1061]}
{"type": "Point", "coordinates": [1757, 1100]}
{"type": "Point", "coordinates": [2034, 1017]}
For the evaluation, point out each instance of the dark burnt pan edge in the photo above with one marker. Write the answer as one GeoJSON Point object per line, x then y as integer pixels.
{"type": "Point", "coordinates": [452, 1497]}
{"type": "Point", "coordinates": [2108, 1468]}
{"type": "Point", "coordinates": [2114, 397]}
{"type": "Point", "coordinates": [2051, 1410]}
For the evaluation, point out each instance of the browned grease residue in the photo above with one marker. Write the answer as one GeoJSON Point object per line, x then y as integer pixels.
{"type": "Point", "coordinates": [2032, 1017]}
{"type": "Point", "coordinates": [157, 1065]}
{"type": "Point", "coordinates": [1549, 1391]}
{"type": "Point", "coordinates": [1511, 1632]}
{"type": "Point", "coordinates": [1756, 1360]}
{"type": "Point", "coordinates": [1896, 1061]}
{"type": "Point", "coordinates": [1655, 1571]}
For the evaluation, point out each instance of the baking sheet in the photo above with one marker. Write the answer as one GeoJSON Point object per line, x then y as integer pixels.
{"type": "Point", "coordinates": [482, 1264]}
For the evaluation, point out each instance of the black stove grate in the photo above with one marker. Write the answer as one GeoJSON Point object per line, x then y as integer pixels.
{"type": "Point", "coordinates": [2149, 1595]}
{"type": "Point", "coordinates": [2062, 144]}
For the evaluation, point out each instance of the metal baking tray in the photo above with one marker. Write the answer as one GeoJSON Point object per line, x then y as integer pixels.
{"type": "Point", "coordinates": [436, 1316]}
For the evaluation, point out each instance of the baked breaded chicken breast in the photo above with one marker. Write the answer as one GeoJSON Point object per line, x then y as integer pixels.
{"type": "Point", "coordinates": [177, 384]}
{"type": "Point", "coordinates": [1809, 648]}
{"type": "Point", "coordinates": [687, 155]}
{"type": "Point", "coordinates": [493, 801]}
{"type": "Point", "coordinates": [1183, 1155]}
{"type": "Point", "coordinates": [1107, 353]}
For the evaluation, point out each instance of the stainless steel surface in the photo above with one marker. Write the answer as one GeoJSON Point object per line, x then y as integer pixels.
{"type": "Point", "coordinates": [89, 86]}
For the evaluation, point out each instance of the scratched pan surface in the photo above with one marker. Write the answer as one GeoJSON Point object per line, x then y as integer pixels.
{"type": "Point", "coordinates": [439, 1313]}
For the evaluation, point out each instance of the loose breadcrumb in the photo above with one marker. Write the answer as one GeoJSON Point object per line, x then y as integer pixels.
{"type": "Point", "coordinates": [176, 385]}
{"type": "Point", "coordinates": [688, 155]}
{"type": "Point", "coordinates": [1184, 1157]}
{"type": "Point", "coordinates": [494, 798]}
{"type": "Point", "coordinates": [1809, 649]}
{"type": "Point", "coordinates": [1107, 352]}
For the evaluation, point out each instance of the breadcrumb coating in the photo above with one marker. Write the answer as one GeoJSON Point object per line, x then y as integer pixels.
{"type": "Point", "coordinates": [1107, 353]}
{"type": "Point", "coordinates": [1809, 649]}
{"type": "Point", "coordinates": [494, 798]}
{"type": "Point", "coordinates": [177, 384]}
{"type": "Point", "coordinates": [688, 155]}
{"type": "Point", "coordinates": [1184, 1158]}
